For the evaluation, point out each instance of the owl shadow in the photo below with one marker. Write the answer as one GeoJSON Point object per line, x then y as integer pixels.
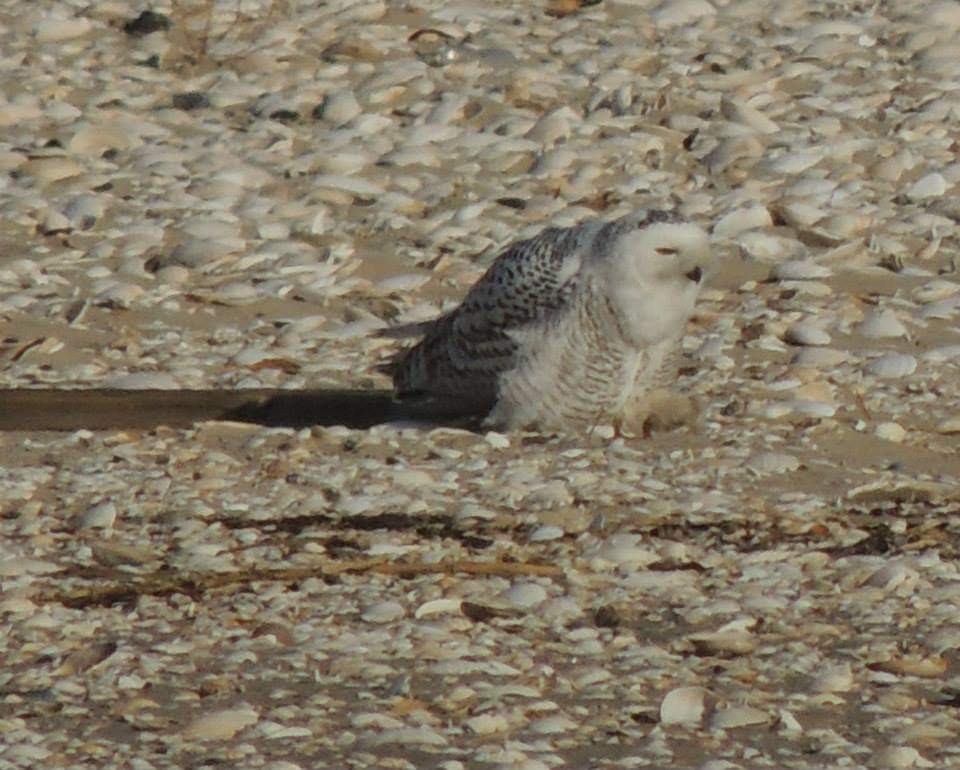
{"type": "Point", "coordinates": [64, 409]}
{"type": "Point", "coordinates": [358, 409]}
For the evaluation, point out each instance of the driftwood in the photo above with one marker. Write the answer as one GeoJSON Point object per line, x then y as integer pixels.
{"type": "Point", "coordinates": [68, 410]}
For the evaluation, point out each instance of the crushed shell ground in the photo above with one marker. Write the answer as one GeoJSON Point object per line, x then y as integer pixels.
{"type": "Point", "coordinates": [241, 198]}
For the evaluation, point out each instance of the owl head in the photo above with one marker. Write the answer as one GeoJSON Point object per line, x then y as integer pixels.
{"type": "Point", "coordinates": [653, 265]}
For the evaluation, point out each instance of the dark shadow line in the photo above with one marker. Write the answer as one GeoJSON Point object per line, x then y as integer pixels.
{"type": "Point", "coordinates": [57, 409]}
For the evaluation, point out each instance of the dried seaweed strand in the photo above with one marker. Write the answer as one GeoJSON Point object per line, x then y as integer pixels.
{"type": "Point", "coordinates": [123, 588]}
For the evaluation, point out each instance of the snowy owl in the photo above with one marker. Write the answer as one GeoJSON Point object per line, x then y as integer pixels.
{"type": "Point", "coordinates": [566, 329]}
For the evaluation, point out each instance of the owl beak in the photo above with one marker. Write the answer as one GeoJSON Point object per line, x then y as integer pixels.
{"type": "Point", "coordinates": [695, 275]}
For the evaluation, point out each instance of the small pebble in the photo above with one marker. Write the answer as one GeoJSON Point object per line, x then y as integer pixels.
{"type": "Point", "coordinates": [191, 100]}
{"type": "Point", "coordinates": [146, 23]}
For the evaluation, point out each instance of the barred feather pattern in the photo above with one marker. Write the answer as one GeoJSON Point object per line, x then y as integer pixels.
{"type": "Point", "coordinates": [584, 372]}
{"type": "Point", "coordinates": [465, 351]}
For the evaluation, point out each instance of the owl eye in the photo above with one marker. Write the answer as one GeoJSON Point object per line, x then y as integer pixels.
{"type": "Point", "coordinates": [665, 250]}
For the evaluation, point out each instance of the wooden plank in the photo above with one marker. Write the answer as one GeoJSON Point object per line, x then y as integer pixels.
{"type": "Point", "coordinates": [104, 409]}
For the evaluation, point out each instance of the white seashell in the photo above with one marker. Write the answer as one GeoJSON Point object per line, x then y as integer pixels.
{"type": "Point", "coordinates": [810, 407]}
{"type": "Point", "coordinates": [795, 162]}
{"type": "Point", "coordinates": [342, 162]}
{"type": "Point", "coordinates": [340, 107]}
{"type": "Point", "coordinates": [84, 211]}
{"type": "Point", "coordinates": [731, 150]}
{"type": "Point", "coordinates": [892, 365]}
{"type": "Point", "coordinates": [472, 511]}
{"type": "Point", "coordinates": [892, 576]}
{"type": "Point", "coordinates": [56, 30]}
{"type": "Point", "coordinates": [497, 440]}
{"type": "Point", "coordinates": [844, 226]}
{"type": "Point", "coordinates": [674, 13]}
{"type": "Point", "coordinates": [942, 354]}
{"type": "Point", "coordinates": [52, 168]}
{"type": "Point", "coordinates": [450, 109]}
{"type": "Point", "coordinates": [553, 126]}
{"type": "Point", "coordinates": [413, 477]}
{"type": "Point", "coordinates": [799, 213]}
{"type": "Point", "coordinates": [276, 731]}
{"type": "Point", "coordinates": [348, 184]}
{"type": "Point", "coordinates": [363, 11]}
{"type": "Point", "coordinates": [892, 168]}
{"type": "Point", "coordinates": [592, 676]}
{"type": "Point", "coordinates": [273, 231]}
{"type": "Point", "coordinates": [546, 533]}
{"type": "Point", "coordinates": [890, 431]}
{"type": "Point", "coordinates": [741, 220]}
{"type": "Point", "coordinates": [100, 516]}
{"type": "Point", "coordinates": [62, 112]}
{"type": "Point", "coordinates": [525, 595]}
{"type": "Point", "coordinates": [553, 725]}
{"type": "Point", "coordinates": [773, 462]}
{"type": "Point", "coordinates": [383, 612]}
{"type": "Point", "coordinates": [427, 134]}
{"type": "Point", "coordinates": [820, 357]}
{"type": "Point", "coordinates": [622, 551]}
{"type": "Point", "coordinates": [13, 113]}
{"type": "Point", "coordinates": [896, 757]}
{"type": "Point", "coordinates": [738, 716]}
{"type": "Point", "coordinates": [210, 228]}
{"type": "Point", "coordinates": [943, 309]}
{"type": "Point", "coordinates": [426, 156]}
{"type": "Point", "coordinates": [16, 567]}
{"type": "Point", "coordinates": [882, 323]}
{"type": "Point", "coordinates": [929, 186]}
{"type": "Point", "coordinates": [742, 113]}
{"type": "Point", "coordinates": [116, 294]}
{"type": "Point", "coordinates": [949, 426]}
{"type": "Point", "coordinates": [408, 282]}
{"type": "Point", "coordinates": [410, 736]}
{"type": "Point", "coordinates": [724, 642]}
{"type": "Point", "coordinates": [94, 139]}
{"type": "Point", "coordinates": [806, 333]}
{"type": "Point", "coordinates": [767, 247]}
{"type": "Point", "coordinates": [553, 162]}
{"type": "Point", "coordinates": [379, 721]}
{"type": "Point", "coordinates": [788, 722]}
{"type": "Point", "coordinates": [487, 724]}
{"type": "Point", "coordinates": [142, 381]}
{"type": "Point", "coordinates": [55, 222]}
{"type": "Point", "coordinates": [833, 679]}
{"type": "Point", "coordinates": [438, 607]}
{"type": "Point", "coordinates": [799, 270]}
{"type": "Point", "coordinates": [18, 605]}
{"type": "Point", "coordinates": [812, 187]}
{"type": "Point", "coordinates": [683, 706]}
{"type": "Point", "coordinates": [834, 27]}
{"type": "Point", "coordinates": [945, 14]}
{"type": "Point", "coordinates": [220, 725]}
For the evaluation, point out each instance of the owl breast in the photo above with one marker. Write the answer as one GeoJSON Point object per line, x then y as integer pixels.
{"type": "Point", "coordinates": [575, 370]}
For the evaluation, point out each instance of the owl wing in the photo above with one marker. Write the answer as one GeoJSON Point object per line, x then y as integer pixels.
{"type": "Point", "coordinates": [464, 352]}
